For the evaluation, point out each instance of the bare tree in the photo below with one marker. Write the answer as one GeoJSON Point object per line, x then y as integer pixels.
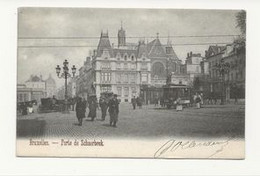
{"type": "Point", "coordinates": [241, 22]}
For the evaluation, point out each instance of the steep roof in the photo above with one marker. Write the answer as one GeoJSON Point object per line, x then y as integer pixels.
{"type": "Point", "coordinates": [171, 53]}
{"type": "Point", "coordinates": [216, 49]}
{"type": "Point", "coordinates": [104, 44]}
{"type": "Point", "coordinates": [155, 49]}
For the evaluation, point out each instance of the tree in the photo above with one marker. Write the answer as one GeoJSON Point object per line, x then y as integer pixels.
{"type": "Point", "coordinates": [241, 22]}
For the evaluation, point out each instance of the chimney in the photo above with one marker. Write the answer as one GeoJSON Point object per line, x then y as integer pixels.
{"type": "Point", "coordinates": [190, 54]}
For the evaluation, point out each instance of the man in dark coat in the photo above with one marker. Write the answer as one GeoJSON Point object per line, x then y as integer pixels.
{"type": "Point", "coordinates": [139, 102]}
{"type": "Point", "coordinates": [113, 110]}
{"type": "Point", "coordinates": [92, 108]}
{"type": "Point", "coordinates": [103, 105]}
{"type": "Point", "coordinates": [133, 102]}
{"type": "Point", "coordinates": [80, 111]}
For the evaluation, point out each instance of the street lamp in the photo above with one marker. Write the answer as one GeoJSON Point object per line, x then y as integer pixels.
{"type": "Point", "coordinates": [223, 68]}
{"type": "Point", "coordinates": [65, 74]}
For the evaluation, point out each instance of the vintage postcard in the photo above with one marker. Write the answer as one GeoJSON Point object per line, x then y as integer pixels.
{"type": "Point", "coordinates": [136, 83]}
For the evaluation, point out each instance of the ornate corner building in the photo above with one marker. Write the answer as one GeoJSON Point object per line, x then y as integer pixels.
{"type": "Point", "coordinates": [132, 69]}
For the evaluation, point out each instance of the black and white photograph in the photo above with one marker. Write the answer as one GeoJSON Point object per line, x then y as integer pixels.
{"type": "Point", "coordinates": [131, 83]}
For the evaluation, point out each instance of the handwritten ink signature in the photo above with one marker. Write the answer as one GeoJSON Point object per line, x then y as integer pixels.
{"type": "Point", "coordinates": [172, 145]}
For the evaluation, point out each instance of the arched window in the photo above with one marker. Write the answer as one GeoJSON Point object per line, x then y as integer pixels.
{"type": "Point", "coordinates": [125, 57]}
{"type": "Point", "coordinates": [159, 70]}
{"type": "Point", "coordinates": [132, 58]}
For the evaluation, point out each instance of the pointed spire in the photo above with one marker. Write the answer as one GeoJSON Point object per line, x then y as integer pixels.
{"type": "Point", "coordinates": [121, 24]}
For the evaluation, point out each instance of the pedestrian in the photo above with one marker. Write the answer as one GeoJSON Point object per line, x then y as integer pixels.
{"type": "Point", "coordinates": [202, 99]}
{"type": "Point", "coordinates": [24, 108]}
{"type": "Point", "coordinates": [85, 105]}
{"type": "Point", "coordinates": [178, 104]}
{"type": "Point", "coordinates": [198, 101]}
{"type": "Point", "coordinates": [92, 108]}
{"type": "Point", "coordinates": [113, 110]}
{"type": "Point", "coordinates": [133, 101]}
{"type": "Point", "coordinates": [156, 101]}
{"type": "Point", "coordinates": [139, 102]}
{"type": "Point", "coordinates": [30, 108]}
{"type": "Point", "coordinates": [80, 110]}
{"type": "Point", "coordinates": [103, 105]}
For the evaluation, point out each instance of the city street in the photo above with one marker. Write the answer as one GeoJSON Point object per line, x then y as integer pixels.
{"type": "Point", "coordinates": [148, 122]}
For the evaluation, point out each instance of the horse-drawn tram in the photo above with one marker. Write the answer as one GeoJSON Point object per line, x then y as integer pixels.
{"type": "Point", "coordinates": [174, 94]}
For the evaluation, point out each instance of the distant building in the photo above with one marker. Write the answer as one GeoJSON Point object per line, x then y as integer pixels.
{"type": "Point", "coordinates": [50, 86]}
{"type": "Point", "coordinates": [235, 77]}
{"type": "Point", "coordinates": [35, 82]}
{"type": "Point", "coordinates": [193, 67]}
{"type": "Point", "coordinates": [37, 87]}
{"type": "Point", "coordinates": [212, 83]}
{"type": "Point", "coordinates": [180, 79]}
{"type": "Point", "coordinates": [84, 82]}
{"type": "Point", "coordinates": [28, 94]}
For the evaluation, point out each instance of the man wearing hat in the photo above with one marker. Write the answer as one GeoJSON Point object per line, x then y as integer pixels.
{"type": "Point", "coordinates": [113, 110]}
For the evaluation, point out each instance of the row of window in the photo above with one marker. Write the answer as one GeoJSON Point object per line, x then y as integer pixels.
{"type": "Point", "coordinates": [22, 97]}
{"type": "Point", "coordinates": [121, 91]}
{"type": "Point", "coordinates": [126, 92]}
{"type": "Point", "coordinates": [123, 78]}
{"type": "Point", "coordinates": [231, 76]}
{"type": "Point", "coordinates": [232, 64]}
{"type": "Point", "coordinates": [125, 66]}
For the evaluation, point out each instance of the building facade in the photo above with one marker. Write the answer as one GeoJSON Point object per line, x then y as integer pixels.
{"type": "Point", "coordinates": [50, 87]}
{"type": "Point", "coordinates": [193, 67]}
{"type": "Point", "coordinates": [25, 94]}
{"type": "Point", "coordinates": [120, 70]}
{"type": "Point", "coordinates": [130, 70]}
{"type": "Point", "coordinates": [84, 82]}
{"type": "Point", "coordinates": [230, 84]}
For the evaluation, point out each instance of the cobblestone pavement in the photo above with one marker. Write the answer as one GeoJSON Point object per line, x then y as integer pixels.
{"type": "Point", "coordinates": [148, 122]}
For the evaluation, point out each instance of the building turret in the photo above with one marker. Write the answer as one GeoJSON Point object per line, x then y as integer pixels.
{"type": "Point", "coordinates": [121, 37]}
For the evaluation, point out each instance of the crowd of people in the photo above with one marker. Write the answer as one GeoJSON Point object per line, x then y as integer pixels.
{"type": "Point", "coordinates": [110, 105]}
{"type": "Point", "coordinates": [136, 101]}
{"type": "Point", "coordinates": [25, 108]}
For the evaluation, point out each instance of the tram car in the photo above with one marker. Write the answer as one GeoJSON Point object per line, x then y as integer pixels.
{"type": "Point", "coordinates": [172, 92]}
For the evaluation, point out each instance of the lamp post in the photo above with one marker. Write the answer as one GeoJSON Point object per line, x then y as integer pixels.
{"type": "Point", "coordinates": [223, 68]}
{"type": "Point", "coordinates": [65, 74]}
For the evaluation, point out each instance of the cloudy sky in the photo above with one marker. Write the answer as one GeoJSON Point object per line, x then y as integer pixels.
{"type": "Point", "coordinates": [38, 23]}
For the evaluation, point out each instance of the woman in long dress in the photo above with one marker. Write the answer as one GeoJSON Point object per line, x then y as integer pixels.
{"type": "Point", "coordinates": [92, 108]}
{"type": "Point", "coordinates": [80, 111]}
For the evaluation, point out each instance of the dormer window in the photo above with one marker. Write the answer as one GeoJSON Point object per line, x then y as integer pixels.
{"type": "Point", "coordinates": [125, 57]}
{"type": "Point", "coordinates": [143, 59]}
{"type": "Point", "coordinates": [132, 58]}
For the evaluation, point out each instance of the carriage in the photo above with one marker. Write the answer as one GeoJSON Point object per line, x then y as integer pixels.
{"type": "Point", "coordinates": [51, 105]}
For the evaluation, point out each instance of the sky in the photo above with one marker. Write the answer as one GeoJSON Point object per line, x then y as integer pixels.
{"type": "Point", "coordinates": [89, 22]}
